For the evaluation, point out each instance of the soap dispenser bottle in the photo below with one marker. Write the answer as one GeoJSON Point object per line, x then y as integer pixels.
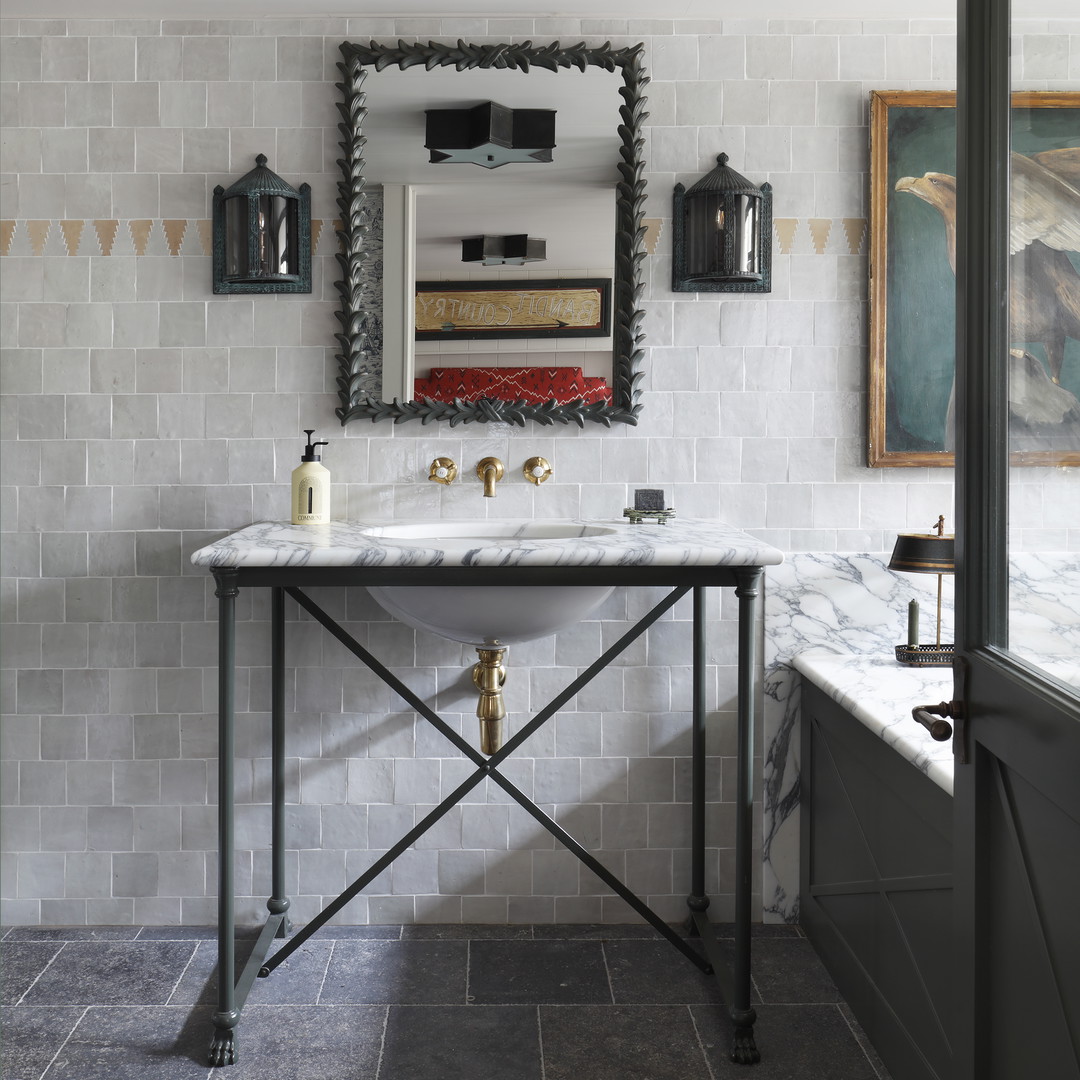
{"type": "Point", "coordinates": [311, 487]}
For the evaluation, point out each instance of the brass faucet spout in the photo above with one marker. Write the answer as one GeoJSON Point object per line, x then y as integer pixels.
{"type": "Point", "coordinates": [490, 470]}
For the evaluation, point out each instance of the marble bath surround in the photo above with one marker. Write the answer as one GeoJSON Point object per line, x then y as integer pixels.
{"type": "Point", "coordinates": [835, 619]}
{"type": "Point", "coordinates": [340, 543]}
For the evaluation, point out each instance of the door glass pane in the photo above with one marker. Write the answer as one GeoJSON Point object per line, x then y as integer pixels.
{"type": "Point", "coordinates": [1044, 365]}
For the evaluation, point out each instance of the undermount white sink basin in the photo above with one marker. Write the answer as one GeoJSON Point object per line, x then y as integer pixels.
{"type": "Point", "coordinates": [484, 531]}
{"type": "Point", "coordinates": [489, 615]}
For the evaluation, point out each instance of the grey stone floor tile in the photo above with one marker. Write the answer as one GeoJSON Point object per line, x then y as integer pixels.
{"type": "Point", "coordinates": [796, 1042]}
{"type": "Point", "coordinates": [112, 973]}
{"type": "Point", "coordinates": [470, 931]}
{"type": "Point", "coordinates": [31, 1037]}
{"type": "Point", "coordinates": [461, 1042]}
{"type": "Point", "coordinates": [359, 933]}
{"type": "Point", "coordinates": [73, 933]}
{"type": "Point", "coordinates": [594, 931]}
{"type": "Point", "coordinates": [655, 973]}
{"type": "Point", "coordinates": [297, 1042]}
{"type": "Point", "coordinates": [789, 971]}
{"type": "Point", "coordinates": [537, 973]}
{"type": "Point", "coordinates": [621, 1042]}
{"type": "Point", "coordinates": [135, 1043]}
{"type": "Point", "coordinates": [21, 962]}
{"type": "Point", "coordinates": [192, 933]}
{"type": "Point", "coordinates": [296, 981]}
{"type": "Point", "coordinates": [396, 973]}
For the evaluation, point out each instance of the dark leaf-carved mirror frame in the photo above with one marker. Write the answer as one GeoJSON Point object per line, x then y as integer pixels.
{"type": "Point", "coordinates": [627, 336]}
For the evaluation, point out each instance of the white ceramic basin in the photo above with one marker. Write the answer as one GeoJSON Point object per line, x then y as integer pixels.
{"type": "Point", "coordinates": [480, 532]}
{"type": "Point", "coordinates": [489, 614]}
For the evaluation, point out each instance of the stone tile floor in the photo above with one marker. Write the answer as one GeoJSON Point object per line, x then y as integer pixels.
{"type": "Point", "coordinates": [417, 1003]}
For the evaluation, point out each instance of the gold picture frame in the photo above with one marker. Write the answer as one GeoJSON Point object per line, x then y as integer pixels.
{"type": "Point", "coordinates": [912, 284]}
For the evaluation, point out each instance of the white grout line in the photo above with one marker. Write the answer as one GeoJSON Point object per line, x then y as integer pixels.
{"type": "Point", "coordinates": [326, 971]}
{"type": "Point", "coordinates": [701, 1041]}
{"type": "Point", "coordinates": [858, 1040]}
{"type": "Point", "coordinates": [63, 945]}
{"type": "Point", "coordinates": [60, 1050]}
{"type": "Point", "coordinates": [540, 1043]}
{"type": "Point", "coordinates": [607, 971]}
{"type": "Point", "coordinates": [382, 1041]}
{"type": "Point", "coordinates": [190, 960]}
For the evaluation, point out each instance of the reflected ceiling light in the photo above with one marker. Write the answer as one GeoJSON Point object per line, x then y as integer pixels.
{"type": "Point", "coordinates": [513, 250]}
{"type": "Point", "coordinates": [489, 135]}
{"type": "Point", "coordinates": [722, 234]}
{"type": "Point", "coordinates": [262, 234]}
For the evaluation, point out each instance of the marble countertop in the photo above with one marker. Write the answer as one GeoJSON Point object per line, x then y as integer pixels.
{"type": "Point", "coordinates": [881, 694]}
{"type": "Point", "coordinates": [680, 542]}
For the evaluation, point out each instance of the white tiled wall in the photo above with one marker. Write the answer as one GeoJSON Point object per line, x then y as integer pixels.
{"type": "Point", "coordinates": [142, 416]}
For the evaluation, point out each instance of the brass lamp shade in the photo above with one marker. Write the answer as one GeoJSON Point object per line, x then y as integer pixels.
{"type": "Point", "coordinates": [923, 553]}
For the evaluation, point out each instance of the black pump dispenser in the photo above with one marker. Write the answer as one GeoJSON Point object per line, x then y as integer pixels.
{"type": "Point", "coordinates": [309, 450]}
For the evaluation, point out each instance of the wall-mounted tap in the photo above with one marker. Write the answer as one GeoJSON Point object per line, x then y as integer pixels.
{"type": "Point", "coordinates": [536, 470]}
{"type": "Point", "coordinates": [443, 470]}
{"type": "Point", "coordinates": [490, 470]}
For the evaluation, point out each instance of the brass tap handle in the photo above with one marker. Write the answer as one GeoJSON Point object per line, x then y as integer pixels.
{"type": "Point", "coordinates": [490, 470]}
{"type": "Point", "coordinates": [443, 470]}
{"type": "Point", "coordinates": [536, 470]}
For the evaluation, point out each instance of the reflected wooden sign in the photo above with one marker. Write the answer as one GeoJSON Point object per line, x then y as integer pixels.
{"type": "Point", "coordinates": [579, 307]}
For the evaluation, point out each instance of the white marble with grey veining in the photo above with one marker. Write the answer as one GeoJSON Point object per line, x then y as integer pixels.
{"type": "Point", "coordinates": [836, 618]}
{"type": "Point", "coordinates": [881, 694]}
{"type": "Point", "coordinates": [681, 542]}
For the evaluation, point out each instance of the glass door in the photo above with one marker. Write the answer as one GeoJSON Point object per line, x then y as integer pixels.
{"type": "Point", "coordinates": [1017, 742]}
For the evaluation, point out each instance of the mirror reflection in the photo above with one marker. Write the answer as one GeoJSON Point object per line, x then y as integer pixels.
{"type": "Point", "coordinates": [550, 332]}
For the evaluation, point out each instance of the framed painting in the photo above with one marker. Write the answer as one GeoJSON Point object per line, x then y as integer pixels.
{"type": "Point", "coordinates": [912, 282]}
{"type": "Point", "coordinates": [472, 310]}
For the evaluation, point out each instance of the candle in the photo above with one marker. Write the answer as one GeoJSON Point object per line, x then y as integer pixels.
{"type": "Point", "coordinates": [913, 624]}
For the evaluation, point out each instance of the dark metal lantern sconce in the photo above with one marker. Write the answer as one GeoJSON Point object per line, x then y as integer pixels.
{"type": "Point", "coordinates": [513, 250]}
{"type": "Point", "coordinates": [722, 234]}
{"type": "Point", "coordinates": [262, 235]}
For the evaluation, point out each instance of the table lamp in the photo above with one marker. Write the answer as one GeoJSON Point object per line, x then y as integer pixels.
{"type": "Point", "coordinates": [924, 553]}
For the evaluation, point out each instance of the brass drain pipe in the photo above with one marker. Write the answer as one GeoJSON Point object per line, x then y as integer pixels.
{"type": "Point", "coordinates": [488, 675]}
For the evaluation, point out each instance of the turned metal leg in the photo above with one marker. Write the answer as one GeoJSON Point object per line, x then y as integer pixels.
{"type": "Point", "coordinates": [278, 904]}
{"type": "Point", "coordinates": [223, 1046]}
{"type": "Point", "coordinates": [698, 901]}
{"type": "Point", "coordinates": [743, 1048]}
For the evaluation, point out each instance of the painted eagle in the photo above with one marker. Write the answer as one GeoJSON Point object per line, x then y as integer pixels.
{"type": "Point", "coordinates": [1044, 224]}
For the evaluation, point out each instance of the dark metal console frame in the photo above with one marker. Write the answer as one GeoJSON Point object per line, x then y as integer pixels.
{"type": "Point", "coordinates": [734, 979]}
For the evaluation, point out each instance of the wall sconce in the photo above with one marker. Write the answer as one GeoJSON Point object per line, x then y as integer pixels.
{"type": "Point", "coordinates": [924, 553]}
{"type": "Point", "coordinates": [262, 235]}
{"type": "Point", "coordinates": [722, 234]}
{"type": "Point", "coordinates": [489, 135]}
{"type": "Point", "coordinates": [503, 250]}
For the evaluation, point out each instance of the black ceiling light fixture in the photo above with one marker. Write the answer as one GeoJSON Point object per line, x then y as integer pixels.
{"type": "Point", "coordinates": [262, 235]}
{"type": "Point", "coordinates": [489, 135]}
{"type": "Point", "coordinates": [722, 234]}
{"type": "Point", "coordinates": [513, 250]}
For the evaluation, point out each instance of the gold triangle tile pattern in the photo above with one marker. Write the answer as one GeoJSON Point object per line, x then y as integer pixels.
{"type": "Point", "coordinates": [72, 231]}
{"type": "Point", "coordinates": [854, 230]}
{"type": "Point", "coordinates": [106, 233]}
{"type": "Point", "coordinates": [785, 233]}
{"type": "Point", "coordinates": [39, 235]}
{"type": "Point", "coordinates": [206, 241]}
{"type": "Point", "coordinates": [174, 234]}
{"type": "Point", "coordinates": [654, 228]}
{"type": "Point", "coordinates": [819, 233]}
{"type": "Point", "coordinates": [140, 234]}
{"type": "Point", "coordinates": [192, 236]}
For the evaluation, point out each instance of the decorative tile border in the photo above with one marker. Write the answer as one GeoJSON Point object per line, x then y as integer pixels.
{"type": "Point", "coordinates": [180, 236]}
{"type": "Point", "coordinates": [116, 236]}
